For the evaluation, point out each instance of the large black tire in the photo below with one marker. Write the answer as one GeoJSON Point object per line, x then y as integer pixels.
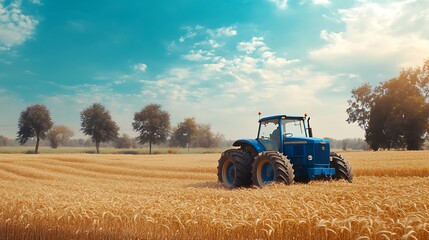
{"type": "Point", "coordinates": [343, 170]}
{"type": "Point", "coordinates": [270, 167]}
{"type": "Point", "coordinates": [235, 168]}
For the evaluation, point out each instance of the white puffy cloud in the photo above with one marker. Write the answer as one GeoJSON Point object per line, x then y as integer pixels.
{"type": "Point", "coordinates": [396, 33]}
{"type": "Point", "coordinates": [140, 67]}
{"type": "Point", "coordinates": [281, 4]}
{"type": "Point", "coordinates": [38, 2]}
{"type": "Point", "coordinates": [250, 47]}
{"type": "Point", "coordinates": [247, 72]}
{"type": "Point", "coordinates": [321, 2]}
{"type": "Point", "coordinates": [212, 34]}
{"type": "Point", "coordinates": [198, 55]}
{"type": "Point", "coordinates": [15, 26]}
{"type": "Point", "coordinates": [190, 32]}
{"type": "Point", "coordinates": [223, 32]}
{"type": "Point", "coordinates": [210, 43]}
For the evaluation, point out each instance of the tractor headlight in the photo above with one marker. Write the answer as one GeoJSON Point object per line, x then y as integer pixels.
{"type": "Point", "coordinates": [310, 157]}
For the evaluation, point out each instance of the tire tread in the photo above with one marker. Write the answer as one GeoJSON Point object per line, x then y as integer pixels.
{"type": "Point", "coordinates": [243, 167]}
{"type": "Point", "coordinates": [343, 170]}
{"type": "Point", "coordinates": [283, 171]}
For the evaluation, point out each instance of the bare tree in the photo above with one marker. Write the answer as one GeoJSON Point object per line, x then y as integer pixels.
{"type": "Point", "coordinates": [58, 135]}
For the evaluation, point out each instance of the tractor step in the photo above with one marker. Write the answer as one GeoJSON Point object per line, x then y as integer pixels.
{"type": "Point", "coordinates": [315, 172]}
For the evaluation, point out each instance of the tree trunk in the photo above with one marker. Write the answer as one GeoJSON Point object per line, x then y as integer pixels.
{"type": "Point", "coordinates": [36, 150]}
{"type": "Point", "coordinates": [150, 147]}
{"type": "Point", "coordinates": [97, 146]}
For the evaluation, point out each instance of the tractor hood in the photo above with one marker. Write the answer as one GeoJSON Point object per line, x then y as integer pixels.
{"type": "Point", "coordinates": [304, 140]}
{"type": "Point", "coordinates": [301, 149]}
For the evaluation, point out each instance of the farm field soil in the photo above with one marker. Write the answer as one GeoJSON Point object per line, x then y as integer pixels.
{"type": "Point", "coordinates": [85, 196]}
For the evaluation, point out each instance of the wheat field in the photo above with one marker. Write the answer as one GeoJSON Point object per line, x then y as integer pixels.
{"type": "Point", "coordinates": [85, 196]}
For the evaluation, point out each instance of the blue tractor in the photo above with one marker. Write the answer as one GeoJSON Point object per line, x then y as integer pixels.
{"type": "Point", "coordinates": [284, 151]}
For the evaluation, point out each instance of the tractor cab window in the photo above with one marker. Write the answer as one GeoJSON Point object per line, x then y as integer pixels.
{"type": "Point", "coordinates": [269, 135]}
{"type": "Point", "coordinates": [293, 128]}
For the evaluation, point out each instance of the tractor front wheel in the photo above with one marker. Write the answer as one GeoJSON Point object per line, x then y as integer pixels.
{"type": "Point", "coordinates": [270, 167]}
{"type": "Point", "coordinates": [234, 169]}
{"type": "Point", "coordinates": [343, 170]}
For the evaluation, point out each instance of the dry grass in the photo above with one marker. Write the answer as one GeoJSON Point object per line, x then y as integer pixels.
{"type": "Point", "coordinates": [81, 196]}
{"type": "Point", "coordinates": [390, 163]}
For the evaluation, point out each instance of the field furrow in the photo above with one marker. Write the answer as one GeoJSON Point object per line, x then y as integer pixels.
{"type": "Point", "coordinates": [27, 172]}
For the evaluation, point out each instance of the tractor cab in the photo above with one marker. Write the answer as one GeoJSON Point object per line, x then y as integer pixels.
{"type": "Point", "coordinates": [275, 130]}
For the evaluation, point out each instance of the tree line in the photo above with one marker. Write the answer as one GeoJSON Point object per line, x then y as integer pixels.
{"type": "Point", "coordinates": [395, 113]}
{"type": "Point", "coordinates": [348, 144]}
{"type": "Point", "coordinates": [124, 141]}
{"type": "Point", "coordinates": [151, 123]}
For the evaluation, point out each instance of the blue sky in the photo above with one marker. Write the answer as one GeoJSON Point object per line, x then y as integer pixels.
{"type": "Point", "coordinates": [218, 61]}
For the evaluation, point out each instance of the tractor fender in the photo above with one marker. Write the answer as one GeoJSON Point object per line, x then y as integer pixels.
{"type": "Point", "coordinates": [251, 145]}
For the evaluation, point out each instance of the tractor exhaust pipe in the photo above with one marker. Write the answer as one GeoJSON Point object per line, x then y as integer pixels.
{"type": "Point", "coordinates": [310, 130]}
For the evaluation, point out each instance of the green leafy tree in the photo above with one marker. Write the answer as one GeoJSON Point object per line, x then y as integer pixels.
{"type": "Point", "coordinates": [394, 114]}
{"type": "Point", "coordinates": [34, 122]}
{"type": "Point", "coordinates": [185, 133]}
{"type": "Point", "coordinates": [123, 142]}
{"type": "Point", "coordinates": [190, 133]}
{"type": "Point", "coordinates": [58, 135]}
{"type": "Point", "coordinates": [205, 138]}
{"type": "Point", "coordinates": [152, 124]}
{"type": "Point", "coordinates": [360, 105]}
{"type": "Point", "coordinates": [97, 123]}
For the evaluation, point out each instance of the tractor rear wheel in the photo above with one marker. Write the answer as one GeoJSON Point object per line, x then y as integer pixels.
{"type": "Point", "coordinates": [343, 170]}
{"type": "Point", "coordinates": [235, 168]}
{"type": "Point", "coordinates": [270, 167]}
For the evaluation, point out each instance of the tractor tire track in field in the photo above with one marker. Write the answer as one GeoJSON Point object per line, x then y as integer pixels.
{"type": "Point", "coordinates": [52, 168]}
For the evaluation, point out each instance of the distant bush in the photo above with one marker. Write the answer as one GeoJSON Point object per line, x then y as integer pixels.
{"type": "Point", "coordinates": [123, 142]}
{"type": "Point", "coordinates": [30, 152]}
{"type": "Point", "coordinates": [133, 152]}
{"type": "Point", "coordinates": [172, 151]}
{"type": "Point", "coordinates": [4, 141]}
